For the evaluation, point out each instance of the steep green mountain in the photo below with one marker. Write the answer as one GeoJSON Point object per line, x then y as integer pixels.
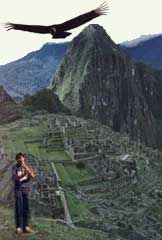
{"type": "Point", "coordinates": [32, 72]}
{"type": "Point", "coordinates": [9, 109]}
{"type": "Point", "coordinates": [97, 79]}
{"type": "Point", "coordinates": [148, 51]}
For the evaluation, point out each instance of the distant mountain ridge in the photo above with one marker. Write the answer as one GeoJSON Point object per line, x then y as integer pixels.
{"type": "Point", "coordinates": [147, 51]}
{"type": "Point", "coordinates": [139, 40]}
{"type": "Point", "coordinates": [32, 72]}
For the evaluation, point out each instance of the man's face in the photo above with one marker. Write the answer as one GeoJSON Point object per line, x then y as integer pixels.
{"type": "Point", "coordinates": [20, 159]}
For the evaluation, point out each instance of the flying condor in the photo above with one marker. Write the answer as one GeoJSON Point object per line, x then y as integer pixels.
{"type": "Point", "coordinates": [61, 30]}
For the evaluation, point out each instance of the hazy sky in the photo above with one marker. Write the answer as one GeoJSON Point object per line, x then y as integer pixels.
{"type": "Point", "coordinates": [127, 19]}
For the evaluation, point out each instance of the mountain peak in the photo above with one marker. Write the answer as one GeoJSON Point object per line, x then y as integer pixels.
{"type": "Point", "coordinates": [93, 28]}
{"type": "Point", "coordinates": [93, 32]}
{"type": "Point", "coordinates": [85, 59]}
{"type": "Point", "coordinates": [93, 38]}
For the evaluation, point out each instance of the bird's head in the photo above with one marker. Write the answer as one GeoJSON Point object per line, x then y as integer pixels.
{"type": "Point", "coordinates": [53, 31]}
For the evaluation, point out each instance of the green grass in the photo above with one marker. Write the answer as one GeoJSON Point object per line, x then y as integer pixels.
{"type": "Point", "coordinates": [63, 174]}
{"type": "Point", "coordinates": [80, 209]}
{"type": "Point", "coordinates": [76, 175]}
{"type": "Point", "coordinates": [22, 135]}
{"type": "Point", "coordinates": [103, 195]}
{"type": "Point", "coordinates": [19, 136]}
{"type": "Point", "coordinates": [71, 175]}
{"type": "Point", "coordinates": [91, 186]}
{"type": "Point", "coordinates": [34, 149]}
{"type": "Point", "coordinates": [46, 229]}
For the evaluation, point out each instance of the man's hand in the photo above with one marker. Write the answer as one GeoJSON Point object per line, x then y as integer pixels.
{"type": "Point", "coordinates": [28, 170]}
{"type": "Point", "coordinates": [32, 174]}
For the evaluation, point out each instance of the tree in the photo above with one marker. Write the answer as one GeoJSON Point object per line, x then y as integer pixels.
{"type": "Point", "coordinates": [80, 165]}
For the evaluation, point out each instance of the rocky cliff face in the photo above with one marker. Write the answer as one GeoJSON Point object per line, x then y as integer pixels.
{"type": "Point", "coordinates": [98, 80]}
{"type": "Point", "coordinates": [9, 110]}
{"type": "Point", "coordinates": [33, 72]}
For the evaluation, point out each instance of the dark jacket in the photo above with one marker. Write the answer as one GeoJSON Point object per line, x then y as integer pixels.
{"type": "Point", "coordinates": [22, 181]}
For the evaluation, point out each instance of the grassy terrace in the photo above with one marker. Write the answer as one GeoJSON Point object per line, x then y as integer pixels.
{"type": "Point", "coordinates": [80, 209]}
{"type": "Point", "coordinates": [70, 175]}
{"type": "Point", "coordinates": [17, 140]}
{"type": "Point", "coordinates": [34, 149]}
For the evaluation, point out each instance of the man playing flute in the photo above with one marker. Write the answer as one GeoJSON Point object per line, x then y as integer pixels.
{"type": "Point", "coordinates": [22, 175]}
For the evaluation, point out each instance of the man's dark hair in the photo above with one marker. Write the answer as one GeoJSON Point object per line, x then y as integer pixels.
{"type": "Point", "coordinates": [18, 155]}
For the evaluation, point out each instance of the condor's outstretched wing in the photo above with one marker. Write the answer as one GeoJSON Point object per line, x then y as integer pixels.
{"type": "Point", "coordinates": [76, 22]}
{"type": "Point", "coordinates": [73, 23]}
{"type": "Point", "coordinates": [28, 28]}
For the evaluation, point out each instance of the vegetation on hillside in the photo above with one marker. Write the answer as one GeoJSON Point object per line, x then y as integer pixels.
{"type": "Point", "coordinates": [45, 100]}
